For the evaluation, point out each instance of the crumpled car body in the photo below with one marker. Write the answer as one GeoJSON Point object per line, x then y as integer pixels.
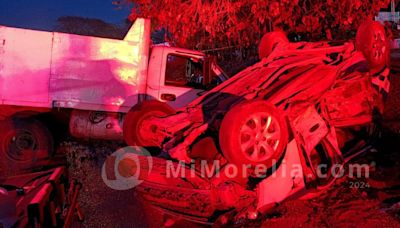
{"type": "Point", "coordinates": [326, 95]}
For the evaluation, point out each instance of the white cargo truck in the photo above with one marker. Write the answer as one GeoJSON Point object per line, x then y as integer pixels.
{"type": "Point", "coordinates": [48, 79]}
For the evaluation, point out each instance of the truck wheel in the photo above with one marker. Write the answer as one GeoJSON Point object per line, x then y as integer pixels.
{"type": "Point", "coordinates": [137, 134]}
{"type": "Point", "coordinates": [253, 133]}
{"type": "Point", "coordinates": [270, 41]}
{"type": "Point", "coordinates": [23, 143]}
{"type": "Point", "coordinates": [371, 40]}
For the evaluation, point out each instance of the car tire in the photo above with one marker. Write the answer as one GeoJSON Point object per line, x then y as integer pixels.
{"type": "Point", "coordinates": [252, 133]}
{"type": "Point", "coordinates": [24, 142]}
{"type": "Point", "coordinates": [132, 126]}
{"type": "Point", "coordinates": [372, 41]}
{"type": "Point", "coordinates": [270, 41]}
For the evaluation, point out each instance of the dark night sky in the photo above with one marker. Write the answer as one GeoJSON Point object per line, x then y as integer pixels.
{"type": "Point", "coordinates": [42, 14]}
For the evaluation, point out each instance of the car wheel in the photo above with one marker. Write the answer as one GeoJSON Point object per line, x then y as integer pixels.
{"type": "Point", "coordinates": [270, 41]}
{"type": "Point", "coordinates": [372, 41]}
{"type": "Point", "coordinates": [135, 132]}
{"type": "Point", "coordinates": [253, 133]}
{"type": "Point", "coordinates": [23, 143]}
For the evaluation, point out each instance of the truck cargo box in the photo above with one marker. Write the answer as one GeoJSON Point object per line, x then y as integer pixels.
{"type": "Point", "coordinates": [48, 69]}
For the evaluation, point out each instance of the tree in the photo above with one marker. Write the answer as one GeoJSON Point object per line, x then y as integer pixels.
{"type": "Point", "coordinates": [204, 24]}
{"type": "Point", "coordinates": [90, 27]}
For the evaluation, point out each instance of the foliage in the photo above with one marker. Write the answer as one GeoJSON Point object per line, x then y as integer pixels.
{"type": "Point", "coordinates": [90, 27]}
{"type": "Point", "coordinates": [206, 24]}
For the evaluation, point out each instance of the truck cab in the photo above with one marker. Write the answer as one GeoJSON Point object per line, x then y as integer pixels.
{"type": "Point", "coordinates": [177, 76]}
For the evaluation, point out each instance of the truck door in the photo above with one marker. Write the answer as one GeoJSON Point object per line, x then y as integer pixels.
{"type": "Point", "coordinates": [184, 80]}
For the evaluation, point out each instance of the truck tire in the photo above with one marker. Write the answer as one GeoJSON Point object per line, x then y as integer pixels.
{"type": "Point", "coordinates": [135, 134]}
{"type": "Point", "coordinates": [372, 41]}
{"type": "Point", "coordinates": [24, 142]}
{"type": "Point", "coordinates": [253, 133]}
{"type": "Point", "coordinates": [270, 41]}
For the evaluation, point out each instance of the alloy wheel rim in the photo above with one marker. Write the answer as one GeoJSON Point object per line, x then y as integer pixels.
{"type": "Point", "coordinates": [378, 46]}
{"type": "Point", "coordinates": [260, 137]}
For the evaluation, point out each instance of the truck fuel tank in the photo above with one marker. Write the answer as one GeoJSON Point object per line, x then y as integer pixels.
{"type": "Point", "coordinates": [96, 125]}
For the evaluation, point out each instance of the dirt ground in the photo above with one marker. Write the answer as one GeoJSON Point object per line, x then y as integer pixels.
{"type": "Point", "coordinates": [377, 204]}
{"type": "Point", "coordinates": [373, 202]}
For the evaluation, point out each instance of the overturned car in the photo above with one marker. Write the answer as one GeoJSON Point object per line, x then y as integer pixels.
{"type": "Point", "coordinates": [274, 131]}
